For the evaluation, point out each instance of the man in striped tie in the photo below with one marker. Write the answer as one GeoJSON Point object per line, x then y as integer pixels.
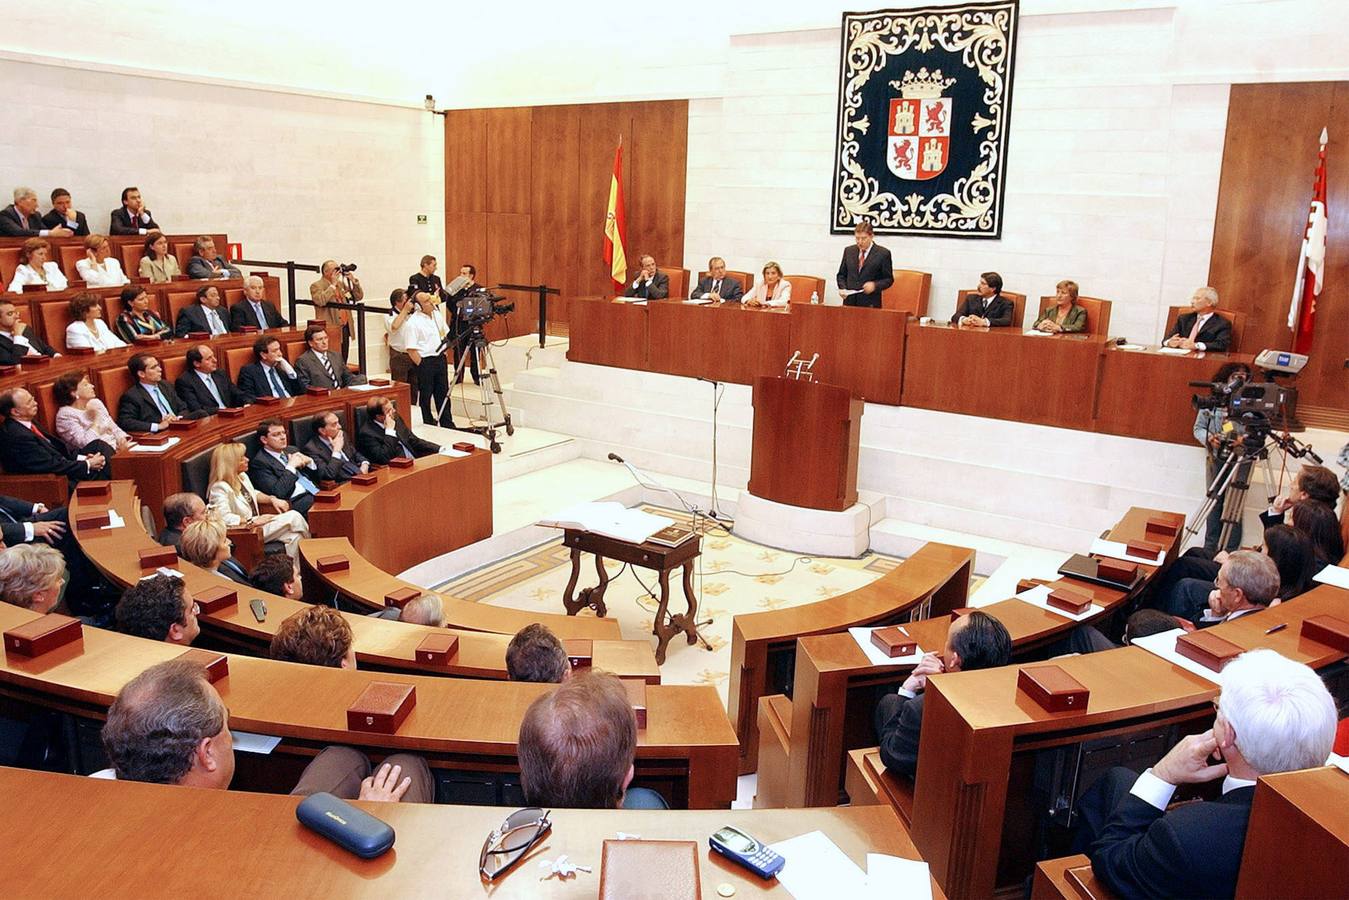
{"type": "Point", "coordinates": [320, 367]}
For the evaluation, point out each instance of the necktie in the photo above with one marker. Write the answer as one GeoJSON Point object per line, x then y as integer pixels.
{"type": "Point", "coordinates": [861, 261]}
{"type": "Point", "coordinates": [716, 286]}
{"type": "Point", "coordinates": [160, 401]}
{"type": "Point", "coordinates": [210, 386]}
{"type": "Point", "coordinates": [1194, 332]}
{"type": "Point", "coordinates": [42, 437]}
{"type": "Point", "coordinates": [277, 389]}
{"type": "Point", "coordinates": [328, 367]}
{"type": "Point", "coordinates": [217, 326]}
{"type": "Point", "coordinates": [262, 317]}
{"type": "Point", "coordinates": [301, 482]}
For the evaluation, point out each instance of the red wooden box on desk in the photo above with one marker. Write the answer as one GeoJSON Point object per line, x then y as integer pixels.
{"type": "Point", "coordinates": [91, 520]}
{"type": "Point", "coordinates": [438, 649]}
{"type": "Point", "coordinates": [401, 462]}
{"type": "Point", "coordinates": [94, 490]}
{"type": "Point", "coordinates": [157, 557]}
{"type": "Point", "coordinates": [315, 391]}
{"type": "Point", "coordinates": [365, 480]}
{"type": "Point", "coordinates": [327, 496]}
{"type": "Point", "coordinates": [580, 652]}
{"type": "Point", "coordinates": [1117, 570]}
{"type": "Point", "coordinates": [1054, 689]}
{"type": "Point", "coordinates": [155, 439]}
{"type": "Point", "coordinates": [401, 597]}
{"type": "Point", "coordinates": [1069, 600]}
{"type": "Point", "coordinates": [1164, 527]}
{"type": "Point", "coordinates": [214, 599]}
{"type": "Point", "coordinates": [43, 635]}
{"type": "Point", "coordinates": [266, 400]}
{"type": "Point", "coordinates": [1207, 649]}
{"type": "Point", "coordinates": [893, 641]}
{"type": "Point", "coordinates": [217, 665]}
{"type": "Point", "coordinates": [1329, 630]}
{"type": "Point", "coordinates": [230, 412]}
{"type": "Point", "coordinates": [1143, 549]}
{"type": "Point", "coordinates": [183, 424]}
{"type": "Point", "coordinates": [333, 563]}
{"type": "Point", "coordinates": [381, 707]}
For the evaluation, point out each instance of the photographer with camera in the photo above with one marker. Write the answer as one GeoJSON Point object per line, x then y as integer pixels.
{"type": "Point", "coordinates": [339, 284]}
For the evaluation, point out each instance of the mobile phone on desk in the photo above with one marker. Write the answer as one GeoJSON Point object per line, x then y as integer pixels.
{"type": "Point", "coordinates": [753, 854]}
{"type": "Point", "coordinates": [259, 609]}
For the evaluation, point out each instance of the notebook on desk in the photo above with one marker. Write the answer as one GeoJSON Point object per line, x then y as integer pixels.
{"type": "Point", "coordinates": [1085, 568]}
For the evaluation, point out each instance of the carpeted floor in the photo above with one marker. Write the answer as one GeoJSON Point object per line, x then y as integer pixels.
{"type": "Point", "coordinates": [735, 576]}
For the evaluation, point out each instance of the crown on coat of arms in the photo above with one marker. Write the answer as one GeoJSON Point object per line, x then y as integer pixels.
{"type": "Point", "coordinates": [923, 85]}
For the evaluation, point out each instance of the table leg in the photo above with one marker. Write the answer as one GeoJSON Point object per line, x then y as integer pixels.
{"type": "Point", "coordinates": [659, 627]}
{"type": "Point", "coordinates": [597, 592]}
{"type": "Point", "coordinates": [690, 622]}
{"type": "Point", "coordinates": [592, 597]}
{"type": "Point", "coordinates": [573, 606]}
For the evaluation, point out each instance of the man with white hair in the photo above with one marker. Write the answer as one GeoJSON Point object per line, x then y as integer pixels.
{"type": "Point", "coordinates": [1273, 715]}
{"type": "Point", "coordinates": [1247, 582]}
{"type": "Point", "coordinates": [1201, 328]}
{"type": "Point", "coordinates": [255, 310]}
{"type": "Point", "coordinates": [20, 219]}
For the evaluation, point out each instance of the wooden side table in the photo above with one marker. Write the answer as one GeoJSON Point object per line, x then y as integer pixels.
{"type": "Point", "coordinates": [662, 560]}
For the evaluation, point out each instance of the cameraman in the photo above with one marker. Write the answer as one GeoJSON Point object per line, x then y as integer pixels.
{"type": "Point", "coordinates": [462, 331]}
{"type": "Point", "coordinates": [337, 286]}
{"type": "Point", "coordinates": [1208, 431]}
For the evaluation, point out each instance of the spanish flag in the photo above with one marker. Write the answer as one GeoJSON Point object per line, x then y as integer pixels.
{"type": "Point", "coordinates": [615, 226]}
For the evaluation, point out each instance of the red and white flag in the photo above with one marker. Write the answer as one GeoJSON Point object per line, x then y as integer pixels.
{"type": "Point", "coordinates": [616, 226]}
{"type": "Point", "coordinates": [1311, 264]}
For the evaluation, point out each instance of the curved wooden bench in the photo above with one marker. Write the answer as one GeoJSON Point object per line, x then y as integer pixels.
{"type": "Point", "coordinates": [466, 725]}
{"type": "Point", "coordinates": [380, 644]}
{"type": "Point", "coordinates": [367, 584]}
{"type": "Point", "coordinates": [932, 581]}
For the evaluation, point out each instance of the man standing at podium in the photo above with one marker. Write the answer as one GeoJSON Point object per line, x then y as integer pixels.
{"type": "Point", "coordinates": [865, 271]}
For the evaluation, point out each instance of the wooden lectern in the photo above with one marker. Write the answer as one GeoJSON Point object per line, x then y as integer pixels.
{"type": "Point", "coordinates": [805, 444]}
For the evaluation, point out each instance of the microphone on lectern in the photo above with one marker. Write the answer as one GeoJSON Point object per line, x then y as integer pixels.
{"type": "Point", "coordinates": [615, 457]}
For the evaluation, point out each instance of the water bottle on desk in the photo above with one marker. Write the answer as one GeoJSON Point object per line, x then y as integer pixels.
{"type": "Point", "coordinates": [814, 296]}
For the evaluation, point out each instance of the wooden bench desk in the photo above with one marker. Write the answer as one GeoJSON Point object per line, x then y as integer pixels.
{"type": "Point", "coordinates": [466, 726]}
{"type": "Point", "coordinates": [436, 853]}
{"type": "Point", "coordinates": [719, 341]}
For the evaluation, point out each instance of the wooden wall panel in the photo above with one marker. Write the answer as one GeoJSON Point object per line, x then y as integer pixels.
{"type": "Point", "coordinates": [1262, 207]}
{"type": "Point", "coordinates": [546, 170]}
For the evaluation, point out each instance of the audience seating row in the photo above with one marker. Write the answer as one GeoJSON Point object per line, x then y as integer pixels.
{"type": "Point", "coordinates": [127, 249]}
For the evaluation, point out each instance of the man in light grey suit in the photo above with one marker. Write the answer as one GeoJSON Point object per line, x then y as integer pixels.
{"type": "Point", "coordinates": [320, 367]}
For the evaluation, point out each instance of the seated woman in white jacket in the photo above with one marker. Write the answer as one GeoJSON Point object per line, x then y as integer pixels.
{"type": "Point", "coordinates": [98, 268]}
{"type": "Point", "coordinates": [774, 290]}
{"type": "Point", "coordinates": [36, 267]}
{"type": "Point", "coordinates": [87, 328]}
{"type": "Point", "coordinates": [233, 496]}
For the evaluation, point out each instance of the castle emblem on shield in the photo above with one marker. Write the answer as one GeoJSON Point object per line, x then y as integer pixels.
{"type": "Point", "coordinates": [919, 136]}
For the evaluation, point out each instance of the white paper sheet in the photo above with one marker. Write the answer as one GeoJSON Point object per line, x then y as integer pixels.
{"type": "Point", "coordinates": [1039, 596]}
{"type": "Point", "coordinates": [1173, 351]}
{"type": "Point", "coordinates": [142, 448]}
{"type": "Point", "coordinates": [1339, 762]}
{"type": "Point", "coordinates": [1119, 550]}
{"type": "Point", "coordinates": [249, 742]}
{"type": "Point", "coordinates": [1164, 645]}
{"type": "Point", "coordinates": [114, 521]}
{"type": "Point", "coordinates": [610, 519]}
{"type": "Point", "coordinates": [1130, 347]}
{"type": "Point", "coordinates": [1338, 576]}
{"type": "Point", "coordinates": [875, 655]}
{"type": "Point", "coordinates": [1035, 332]}
{"type": "Point", "coordinates": [368, 387]}
{"type": "Point", "coordinates": [449, 451]}
{"type": "Point", "coordinates": [164, 570]}
{"type": "Point", "coordinates": [698, 301]}
{"type": "Point", "coordinates": [816, 869]}
{"type": "Point", "coordinates": [635, 301]}
{"type": "Point", "coordinates": [893, 876]}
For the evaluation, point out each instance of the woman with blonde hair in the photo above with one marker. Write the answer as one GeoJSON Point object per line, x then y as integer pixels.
{"type": "Point", "coordinates": [1064, 316]}
{"type": "Point", "coordinates": [774, 290]}
{"type": "Point", "coordinates": [206, 543]}
{"type": "Point", "coordinates": [31, 576]}
{"type": "Point", "coordinates": [233, 497]}
{"type": "Point", "coordinates": [99, 268]}
{"type": "Point", "coordinates": [35, 267]}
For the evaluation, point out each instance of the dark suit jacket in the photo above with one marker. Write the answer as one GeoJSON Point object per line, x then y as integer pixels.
{"type": "Point", "coordinates": [137, 411]}
{"type": "Point", "coordinates": [1191, 851]}
{"type": "Point", "coordinates": [903, 720]}
{"type": "Point", "coordinates": [11, 225]}
{"type": "Point", "coordinates": [193, 318]}
{"type": "Point", "coordinates": [270, 477]}
{"type": "Point", "coordinates": [331, 469]}
{"type": "Point", "coordinates": [121, 222]}
{"type": "Point", "coordinates": [999, 310]}
{"type": "Point", "coordinates": [731, 289]}
{"type": "Point", "coordinates": [197, 398]}
{"type": "Point", "coordinates": [11, 353]}
{"type": "Point", "coordinates": [253, 382]}
{"type": "Point", "coordinates": [311, 371]}
{"type": "Point", "coordinates": [241, 314]}
{"type": "Point", "coordinates": [379, 447]}
{"type": "Point", "coordinates": [234, 571]}
{"type": "Point", "coordinates": [22, 453]}
{"type": "Point", "coordinates": [15, 512]}
{"type": "Point", "coordinates": [877, 268]}
{"type": "Point", "coordinates": [200, 268]}
{"type": "Point", "coordinates": [54, 219]}
{"type": "Point", "coordinates": [1216, 335]}
{"type": "Point", "coordinates": [658, 289]}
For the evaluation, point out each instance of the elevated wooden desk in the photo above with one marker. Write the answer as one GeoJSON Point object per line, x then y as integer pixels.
{"type": "Point", "coordinates": [411, 515]}
{"type": "Point", "coordinates": [465, 726]}
{"type": "Point", "coordinates": [380, 644]}
{"type": "Point", "coordinates": [367, 584]}
{"type": "Point", "coordinates": [720, 341]}
{"type": "Point", "coordinates": [861, 349]}
{"type": "Point", "coordinates": [1001, 373]}
{"type": "Point", "coordinates": [1297, 842]}
{"type": "Point", "coordinates": [436, 853]}
{"type": "Point", "coordinates": [607, 332]}
{"type": "Point", "coordinates": [932, 582]}
{"type": "Point", "coordinates": [1146, 394]}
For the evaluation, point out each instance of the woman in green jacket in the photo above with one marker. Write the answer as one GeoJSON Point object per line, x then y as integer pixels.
{"type": "Point", "coordinates": [1065, 316]}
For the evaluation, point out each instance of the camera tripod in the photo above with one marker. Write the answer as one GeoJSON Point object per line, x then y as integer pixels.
{"type": "Point", "coordinates": [488, 385]}
{"type": "Point", "coordinates": [1232, 480]}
